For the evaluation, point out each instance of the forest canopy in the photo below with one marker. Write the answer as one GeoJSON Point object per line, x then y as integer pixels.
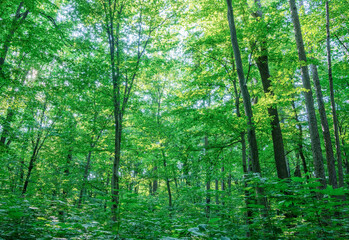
{"type": "Point", "coordinates": [168, 119]}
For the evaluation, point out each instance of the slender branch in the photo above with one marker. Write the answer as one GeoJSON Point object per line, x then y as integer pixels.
{"type": "Point", "coordinates": [341, 43]}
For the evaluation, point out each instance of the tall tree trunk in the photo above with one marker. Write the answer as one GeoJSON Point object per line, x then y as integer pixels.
{"type": "Point", "coordinates": [87, 167]}
{"type": "Point", "coordinates": [16, 22]}
{"type": "Point", "coordinates": [278, 143]}
{"type": "Point", "coordinates": [31, 166]}
{"type": "Point", "coordinates": [114, 45]}
{"type": "Point", "coordinates": [6, 127]}
{"type": "Point", "coordinates": [245, 167]}
{"type": "Point", "coordinates": [67, 171]}
{"type": "Point", "coordinates": [155, 180]}
{"type": "Point", "coordinates": [300, 141]}
{"type": "Point", "coordinates": [167, 180]}
{"type": "Point", "coordinates": [263, 67]}
{"type": "Point", "coordinates": [331, 166]}
{"type": "Point", "coordinates": [208, 179]}
{"type": "Point", "coordinates": [309, 102]}
{"type": "Point", "coordinates": [333, 103]}
{"type": "Point", "coordinates": [223, 181]}
{"type": "Point", "coordinates": [217, 193]}
{"type": "Point", "coordinates": [251, 133]}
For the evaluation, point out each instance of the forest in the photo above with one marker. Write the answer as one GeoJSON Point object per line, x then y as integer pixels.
{"type": "Point", "coordinates": [174, 119]}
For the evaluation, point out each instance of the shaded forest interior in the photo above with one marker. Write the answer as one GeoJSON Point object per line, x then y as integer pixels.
{"type": "Point", "coordinates": [148, 119]}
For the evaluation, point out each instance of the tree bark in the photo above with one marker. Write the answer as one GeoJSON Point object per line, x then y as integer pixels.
{"type": "Point", "coordinates": [31, 166]}
{"type": "Point", "coordinates": [300, 141]}
{"type": "Point", "coordinates": [325, 129]}
{"type": "Point", "coordinates": [114, 45]}
{"type": "Point", "coordinates": [309, 102]}
{"type": "Point", "coordinates": [251, 133]}
{"type": "Point", "coordinates": [6, 127]}
{"type": "Point", "coordinates": [278, 143]}
{"type": "Point", "coordinates": [333, 103]}
{"type": "Point", "coordinates": [17, 21]}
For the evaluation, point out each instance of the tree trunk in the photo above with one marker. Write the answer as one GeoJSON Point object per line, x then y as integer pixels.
{"type": "Point", "coordinates": [155, 180]}
{"type": "Point", "coordinates": [300, 142]}
{"type": "Point", "coordinates": [6, 127]}
{"type": "Point", "coordinates": [167, 180]}
{"type": "Point", "coordinates": [278, 143]}
{"type": "Point", "coordinates": [333, 104]}
{"type": "Point", "coordinates": [17, 21]}
{"type": "Point", "coordinates": [217, 189]}
{"type": "Point", "coordinates": [208, 179]}
{"type": "Point", "coordinates": [251, 134]}
{"type": "Point", "coordinates": [114, 44]}
{"type": "Point", "coordinates": [309, 102]}
{"type": "Point", "coordinates": [87, 167]}
{"type": "Point", "coordinates": [325, 129]}
{"type": "Point", "coordinates": [67, 172]}
{"type": "Point", "coordinates": [30, 167]}
{"type": "Point", "coordinates": [223, 181]}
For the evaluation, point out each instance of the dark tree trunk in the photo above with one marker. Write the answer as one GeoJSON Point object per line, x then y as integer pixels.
{"type": "Point", "coordinates": [217, 191]}
{"type": "Point", "coordinates": [86, 172]}
{"type": "Point", "coordinates": [30, 167]}
{"type": "Point", "coordinates": [208, 179]}
{"type": "Point", "coordinates": [155, 180]}
{"type": "Point", "coordinates": [251, 133]}
{"type": "Point", "coordinates": [263, 67]}
{"type": "Point", "coordinates": [300, 142]}
{"type": "Point", "coordinates": [333, 103]}
{"type": "Point", "coordinates": [67, 171]}
{"type": "Point", "coordinates": [331, 166]}
{"type": "Point", "coordinates": [115, 63]}
{"type": "Point", "coordinates": [223, 181]}
{"type": "Point", "coordinates": [6, 127]}
{"type": "Point", "coordinates": [167, 180]}
{"type": "Point", "coordinates": [17, 21]}
{"type": "Point", "coordinates": [309, 102]}
{"type": "Point", "coordinates": [278, 143]}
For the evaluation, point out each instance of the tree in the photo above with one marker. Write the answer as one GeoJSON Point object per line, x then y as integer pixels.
{"type": "Point", "coordinates": [251, 134]}
{"type": "Point", "coordinates": [333, 104]}
{"type": "Point", "coordinates": [263, 67]}
{"type": "Point", "coordinates": [309, 102]}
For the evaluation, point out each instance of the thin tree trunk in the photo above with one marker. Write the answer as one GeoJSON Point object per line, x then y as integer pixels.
{"type": "Point", "coordinates": [217, 193]}
{"type": "Point", "coordinates": [297, 172]}
{"type": "Point", "coordinates": [7, 126]}
{"type": "Point", "coordinates": [223, 181]}
{"type": "Point", "coordinates": [333, 104]}
{"type": "Point", "coordinates": [17, 21]}
{"type": "Point", "coordinates": [30, 167]}
{"type": "Point", "coordinates": [114, 44]}
{"type": "Point", "coordinates": [251, 133]}
{"type": "Point", "coordinates": [300, 142]}
{"type": "Point", "coordinates": [331, 166]}
{"type": "Point", "coordinates": [346, 161]}
{"type": "Point", "coordinates": [208, 180]}
{"type": "Point", "coordinates": [67, 171]}
{"type": "Point", "coordinates": [155, 180]}
{"type": "Point", "coordinates": [167, 180]}
{"type": "Point", "coordinates": [313, 128]}
{"type": "Point", "coordinates": [87, 167]}
{"type": "Point", "coordinates": [245, 168]}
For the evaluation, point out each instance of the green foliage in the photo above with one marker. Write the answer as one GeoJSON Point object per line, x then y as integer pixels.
{"type": "Point", "coordinates": [183, 124]}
